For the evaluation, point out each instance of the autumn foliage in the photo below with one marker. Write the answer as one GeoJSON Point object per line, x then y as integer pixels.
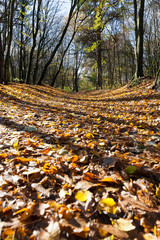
{"type": "Point", "coordinates": [79, 166]}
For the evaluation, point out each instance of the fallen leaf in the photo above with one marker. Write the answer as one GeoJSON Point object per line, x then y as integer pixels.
{"type": "Point", "coordinates": [108, 205]}
{"type": "Point", "coordinates": [82, 196]}
{"type": "Point", "coordinates": [130, 170]}
{"type": "Point", "coordinates": [123, 224]}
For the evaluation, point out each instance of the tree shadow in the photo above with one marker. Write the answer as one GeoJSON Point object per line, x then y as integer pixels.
{"type": "Point", "coordinates": [74, 113]}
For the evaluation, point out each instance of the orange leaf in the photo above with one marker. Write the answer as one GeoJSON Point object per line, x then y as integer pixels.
{"type": "Point", "coordinates": [66, 213]}
{"type": "Point", "coordinates": [8, 234]}
{"type": "Point", "coordinates": [74, 158]}
{"type": "Point", "coordinates": [28, 212]}
{"type": "Point", "coordinates": [21, 159]}
{"type": "Point", "coordinates": [74, 165]}
{"type": "Point", "coordinates": [82, 232]}
{"type": "Point", "coordinates": [7, 209]}
{"type": "Point", "coordinates": [46, 151]}
{"type": "Point", "coordinates": [89, 176]}
{"type": "Point", "coordinates": [3, 155]}
{"type": "Point", "coordinates": [108, 179]}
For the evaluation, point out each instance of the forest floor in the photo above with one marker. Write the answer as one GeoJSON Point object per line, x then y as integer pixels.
{"type": "Point", "coordinates": [79, 166]}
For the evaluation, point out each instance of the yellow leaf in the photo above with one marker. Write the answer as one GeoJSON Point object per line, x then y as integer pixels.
{"type": "Point", "coordinates": [108, 205]}
{"type": "Point", "coordinates": [21, 210]}
{"type": "Point", "coordinates": [158, 191]}
{"type": "Point", "coordinates": [82, 196]}
{"type": "Point", "coordinates": [103, 233]}
{"type": "Point", "coordinates": [16, 145]}
{"type": "Point", "coordinates": [108, 202]}
{"type": "Point", "coordinates": [89, 135]}
{"type": "Point", "coordinates": [108, 179]}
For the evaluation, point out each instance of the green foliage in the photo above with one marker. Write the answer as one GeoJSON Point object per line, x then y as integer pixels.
{"type": "Point", "coordinates": [92, 78]}
{"type": "Point", "coordinates": [16, 80]}
{"type": "Point", "coordinates": [130, 170]}
{"type": "Point", "coordinates": [135, 82]}
{"type": "Point", "coordinates": [92, 47]}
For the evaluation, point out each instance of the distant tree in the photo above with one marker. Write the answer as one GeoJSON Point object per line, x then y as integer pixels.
{"type": "Point", "coordinates": [100, 14]}
{"type": "Point", "coordinates": [152, 38]}
{"type": "Point", "coordinates": [35, 29]}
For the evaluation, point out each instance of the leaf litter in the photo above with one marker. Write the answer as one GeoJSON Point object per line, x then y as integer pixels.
{"type": "Point", "coordinates": [79, 166]}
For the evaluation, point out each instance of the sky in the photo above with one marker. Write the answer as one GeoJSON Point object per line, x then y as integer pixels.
{"type": "Point", "coordinates": [65, 5]}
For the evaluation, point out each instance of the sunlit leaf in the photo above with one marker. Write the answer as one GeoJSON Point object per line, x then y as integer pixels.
{"type": "Point", "coordinates": [22, 159]}
{"type": "Point", "coordinates": [90, 176]}
{"type": "Point", "coordinates": [82, 196]}
{"type": "Point", "coordinates": [16, 145]}
{"type": "Point", "coordinates": [123, 224]}
{"type": "Point", "coordinates": [108, 179]}
{"type": "Point", "coordinates": [108, 202]}
{"type": "Point", "coordinates": [8, 234]}
{"type": "Point", "coordinates": [89, 135]}
{"type": "Point", "coordinates": [108, 205]}
{"type": "Point", "coordinates": [3, 155]}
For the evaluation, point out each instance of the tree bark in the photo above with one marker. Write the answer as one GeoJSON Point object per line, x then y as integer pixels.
{"type": "Point", "coordinates": [21, 45]}
{"type": "Point", "coordinates": [34, 32]}
{"type": "Point", "coordinates": [1, 62]}
{"type": "Point", "coordinates": [139, 33]}
{"type": "Point", "coordinates": [156, 84]}
{"type": "Point", "coordinates": [10, 33]}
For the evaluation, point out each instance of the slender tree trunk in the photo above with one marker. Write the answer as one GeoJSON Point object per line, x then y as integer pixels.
{"type": "Point", "coordinates": [21, 46]}
{"type": "Point", "coordinates": [10, 33]}
{"type": "Point", "coordinates": [34, 32]}
{"type": "Point", "coordinates": [61, 63]}
{"type": "Point", "coordinates": [1, 61]}
{"type": "Point", "coordinates": [139, 33]}
{"type": "Point", "coordinates": [156, 84]}
{"type": "Point", "coordinates": [99, 60]}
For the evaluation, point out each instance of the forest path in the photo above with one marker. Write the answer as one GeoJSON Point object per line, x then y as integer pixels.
{"type": "Point", "coordinates": [79, 166]}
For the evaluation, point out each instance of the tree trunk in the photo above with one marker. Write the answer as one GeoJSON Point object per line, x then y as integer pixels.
{"type": "Point", "coordinates": [34, 32]}
{"type": "Point", "coordinates": [156, 84]}
{"type": "Point", "coordinates": [99, 60]}
{"type": "Point", "coordinates": [61, 63]}
{"type": "Point", "coordinates": [21, 45]}
{"type": "Point", "coordinates": [10, 32]}
{"type": "Point", "coordinates": [1, 62]}
{"type": "Point", "coordinates": [139, 32]}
